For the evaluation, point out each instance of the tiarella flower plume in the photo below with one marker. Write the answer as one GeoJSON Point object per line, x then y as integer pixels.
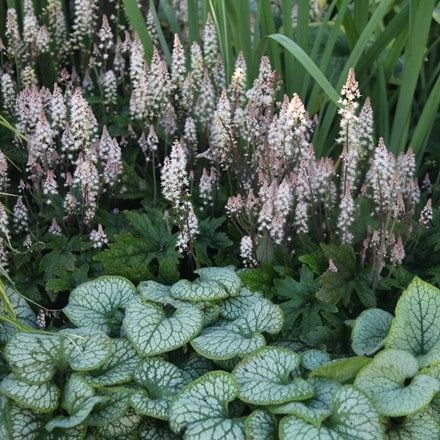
{"type": "Point", "coordinates": [197, 65]}
{"type": "Point", "coordinates": [54, 228]}
{"type": "Point", "coordinates": [174, 176]}
{"type": "Point", "coordinates": [86, 178]}
{"type": "Point", "coordinates": [178, 67]}
{"type": "Point", "coordinates": [4, 179]}
{"type": "Point", "coordinates": [188, 225]}
{"type": "Point", "coordinates": [247, 251]}
{"type": "Point", "coordinates": [50, 186]}
{"type": "Point", "coordinates": [426, 215]}
{"type": "Point", "coordinates": [84, 21]}
{"type": "Point", "coordinates": [365, 128]}
{"type": "Point", "coordinates": [206, 102]}
{"type": "Point", "coordinates": [7, 85]}
{"type": "Point", "coordinates": [346, 218]}
{"type": "Point", "coordinates": [4, 222]}
{"type": "Point", "coordinates": [110, 88]}
{"type": "Point", "coordinates": [210, 44]}
{"type": "Point", "coordinates": [208, 183]}
{"type": "Point", "coordinates": [82, 122]}
{"type": "Point", "coordinates": [237, 88]}
{"type": "Point", "coordinates": [397, 252]}
{"type": "Point", "coordinates": [58, 110]}
{"type": "Point", "coordinates": [98, 237]}
{"type": "Point", "coordinates": [12, 33]}
{"type": "Point", "coordinates": [20, 216]}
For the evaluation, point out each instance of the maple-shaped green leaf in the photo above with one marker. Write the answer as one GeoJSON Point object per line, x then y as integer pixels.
{"type": "Point", "coordinates": [312, 359]}
{"type": "Point", "coordinates": [198, 291]}
{"type": "Point", "coordinates": [21, 312]}
{"type": "Point", "coordinates": [315, 409]}
{"type": "Point", "coordinates": [160, 381]}
{"type": "Point", "coordinates": [78, 401]}
{"type": "Point", "coordinates": [416, 327]}
{"type": "Point", "coordinates": [265, 377]}
{"type": "Point", "coordinates": [225, 276]}
{"type": "Point", "coordinates": [142, 249]}
{"type": "Point", "coordinates": [40, 398]}
{"type": "Point", "coordinates": [386, 378]}
{"type": "Point", "coordinates": [118, 369]}
{"type": "Point", "coordinates": [223, 342]}
{"type": "Point", "coordinates": [201, 409]}
{"type": "Point", "coordinates": [152, 332]}
{"type": "Point", "coordinates": [353, 417]}
{"type": "Point", "coordinates": [342, 370]}
{"type": "Point", "coordinates": [151, 429]}
{"type": "Point", "coordinates": [370, 330]}
{"type": "Point", "coordinates": [100, 304]}
{"type": "Point", "coordinates": [18, 423]}
{"type": "Point", "coordinates": [260, 425]}
{"type": "Point", "coordinates": [417, 426]}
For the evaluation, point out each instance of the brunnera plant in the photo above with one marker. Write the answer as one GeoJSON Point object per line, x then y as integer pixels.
{"type": "Point", "coordinates": [206, 359]}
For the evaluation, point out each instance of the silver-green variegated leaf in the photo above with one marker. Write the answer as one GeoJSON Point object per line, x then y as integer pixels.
{"type": "Point", "coordinates": [263, 317]}
{"type": "Point", "coordinates": [196, 366]}
{"type": "Point", "coordinates": [233, 308]}
{"type": "Point", "coordinates": [385, 381]}
{"type": "Point", "coordinates": [33, 357]}
{"type": "Point", "coordinates": [115, 406]}
{"type": "Point", "coordinates": [312, 359]}
{"type": "Point", "coordinates": [416, 327]}
{"type": "Point", "coordinates": [160, 381]}
{"type": "Point", "coordinates": [370, 330]}
{"type": "Point", "coordinates": [225, 276]}
{"type": "Point", "coordinates": [100, 304]}
{"type": "Point", "coordinates": [197, 291]}
{"type": "Point", "coordinates": [418, 426]}
{"type": "Point", "coordinates": [41, 398]}
{"type": "Point", "coordinates": [157, 293]}
{"type": "Point", "coordinates": [17, 423]}
{"type": "Point", "coordinates": [200, 409]}
{"type": "Point", "coordinates": [118, 369]}
{"type": "Point", "coordinates": [225, 342]}
{"type": "Point", "coordinates": [264, 378]}
{"type": "Point", "coordinates": [23, 314]}
{"type": "Point", "coordinates": [316, 409]}
{"type": "Point", "coordinates": [152, 430]}
{"type": "Point", "coordinates": [121, 428]}
{"type": "Point", "coordinates": [85, 349]}
{"type": "Point", "coordinates": [260, 425]}
{"type": "Point", "coordinates": [353, 417]}
{"type": "Point", "coordinates": [78, 400]}
{"type": "Point", "coordinates": [152, 332]}
{"type": "Point", "coordinates": [75, 433]}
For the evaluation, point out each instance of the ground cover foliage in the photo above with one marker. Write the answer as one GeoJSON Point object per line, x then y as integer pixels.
{"type": "Point", "coordinates": [237, 201]}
